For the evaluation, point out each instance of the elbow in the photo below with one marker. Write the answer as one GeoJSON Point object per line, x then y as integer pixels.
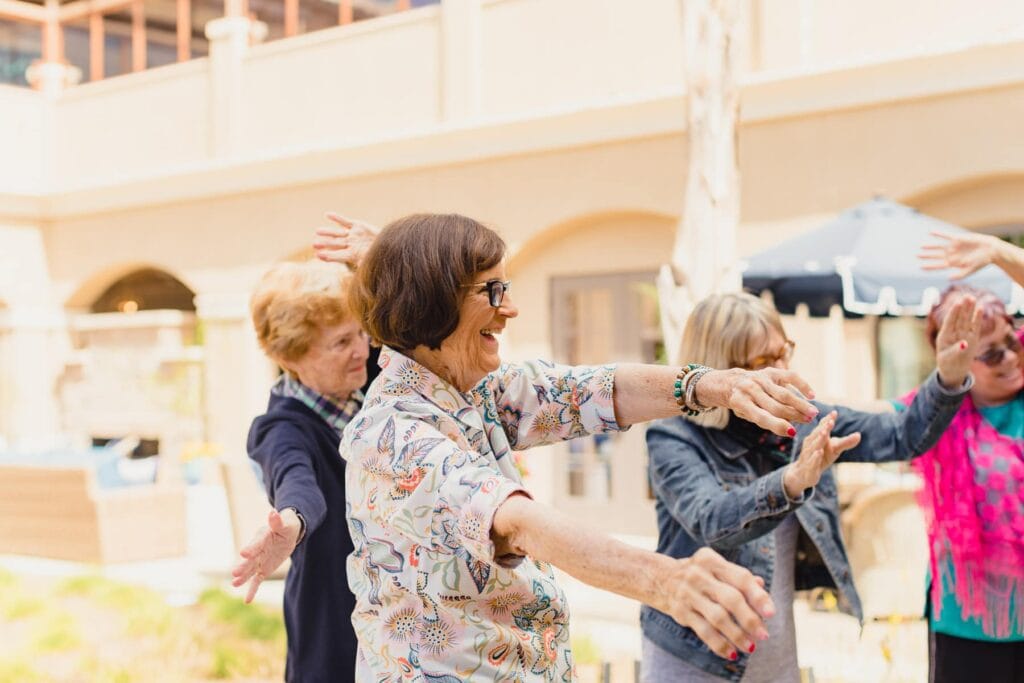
{"type": "Point", "coordinates": [512, 526]}
{"type": "Point", "coordinates": [728, 539]}
{"type": "Point", "coordinates": [705, 528]}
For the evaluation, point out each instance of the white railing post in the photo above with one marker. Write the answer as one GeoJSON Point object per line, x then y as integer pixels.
{"type": "Point", "coordinates": [229, 44]}
{"type": "Point", "coordinates": [52, 74]}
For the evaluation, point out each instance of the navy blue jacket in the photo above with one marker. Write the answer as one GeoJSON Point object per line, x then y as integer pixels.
{"type": "Point", "coordinates": [298, 453]}
{"type": "Point", "coordinates": [710, 493]}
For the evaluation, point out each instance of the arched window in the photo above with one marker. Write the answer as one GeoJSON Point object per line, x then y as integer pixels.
{"type": "Point", "coordinates": [144, 290]}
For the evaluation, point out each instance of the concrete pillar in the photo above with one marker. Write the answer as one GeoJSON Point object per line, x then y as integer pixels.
{"type": "Point", "coordinates": [33, 341]}
{"type": "Point", "coordinates": [229, 42]}
{"type": "Point", "coordinates": [33, 346]}
{"type": "Point", "coordinates": [237, 375]}
{"type": "Point", "coordinates": [461, 26]}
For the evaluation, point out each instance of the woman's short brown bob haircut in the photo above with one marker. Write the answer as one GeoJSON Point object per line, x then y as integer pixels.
{"type": "Point", "coordinates": [409, 286]}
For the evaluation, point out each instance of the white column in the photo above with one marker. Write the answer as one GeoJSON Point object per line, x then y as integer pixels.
{"type": "Point", "coordinates": [461, 48]}
{"type": "Point", "coordinates": [237, 375]}
{"type": "Point", "coordinates": [32, 350]}
{"type": "Point", "coordinates": [33, 341]}
{"type": "Point", "coordinates": [229, 43]}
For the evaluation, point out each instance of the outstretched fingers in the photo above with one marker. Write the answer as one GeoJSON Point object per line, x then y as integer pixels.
{"type": "Point", "coordinates": [788, 378]}
{"type": "Point", "coordinates": [841, 444]}
{"type": "Point", "coordinates": [254, 585]}
{"type": "Point", "coordinates": [751, 588]}
{"type": "Point", "coordinates": [746, 408]}
{"type": "Point", "coordinates": [770, 399]}
{"type": "Point", "coordinates": [339, 220]}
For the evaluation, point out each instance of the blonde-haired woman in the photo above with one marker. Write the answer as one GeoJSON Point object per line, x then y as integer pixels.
{"type": "Point", "coordinates": [724, 483]}
{"type": "Point", "coordinates": [302, 320]}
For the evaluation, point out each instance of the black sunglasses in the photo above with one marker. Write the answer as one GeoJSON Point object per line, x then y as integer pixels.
{"type": "Point", "coordinates": [495, 290]}
{"type": "Point", "coordinates": [995, 355]}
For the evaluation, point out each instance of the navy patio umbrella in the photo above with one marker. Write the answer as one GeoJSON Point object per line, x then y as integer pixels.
{"type": "Point", "coordinates": [865, 260]}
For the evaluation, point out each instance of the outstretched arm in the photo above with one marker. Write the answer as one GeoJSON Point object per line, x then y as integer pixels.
{"type": "Point", "coordinates": [765, 397]}
{"type": "Point", "coordinates": [970, 252]}
{"type": "Point", "coordinates": [723, 603]}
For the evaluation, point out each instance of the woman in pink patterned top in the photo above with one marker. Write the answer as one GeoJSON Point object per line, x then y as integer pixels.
{"type": "Point", "coordinates": [452, 568]}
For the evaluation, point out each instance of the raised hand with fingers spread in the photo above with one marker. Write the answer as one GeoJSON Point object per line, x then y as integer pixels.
{"type": "Point", "coordinates": [970, 252]}
{"type": "Point", "coordinates": [967, 252]}
{"type": "Point", "coordinates": [347, 241]}
{"type": "Point", "coordinates": [957, 341]}
{"type": "Point", "coordinates": [817, 453]}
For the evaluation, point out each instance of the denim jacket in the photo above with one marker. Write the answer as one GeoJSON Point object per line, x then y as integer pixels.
{"type": "Point", "coordinates": [709, 494]}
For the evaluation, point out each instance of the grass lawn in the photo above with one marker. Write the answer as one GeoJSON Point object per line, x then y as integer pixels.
{"type": "Point", "coordinates": [91, 629]}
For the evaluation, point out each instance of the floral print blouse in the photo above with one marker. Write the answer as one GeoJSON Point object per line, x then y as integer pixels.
{"type": "Point", "coordinates": [427, 467]}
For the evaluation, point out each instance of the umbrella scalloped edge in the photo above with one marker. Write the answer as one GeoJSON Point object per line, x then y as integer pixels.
{"type": "Point", "coordinates": [887, 303]}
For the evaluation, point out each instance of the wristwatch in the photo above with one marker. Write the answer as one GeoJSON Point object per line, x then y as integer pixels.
{"type": "Point", "coordinates": [302, 524]}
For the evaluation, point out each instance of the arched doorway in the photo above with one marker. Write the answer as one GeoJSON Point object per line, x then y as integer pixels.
{"type": "Point", "coordinates": [136, 368]}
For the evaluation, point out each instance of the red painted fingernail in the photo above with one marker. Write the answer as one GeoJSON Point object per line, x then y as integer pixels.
{"type": "Point", "coordinates": [751, 648]}
{"type": "Point", "coordinates": [791, 431]}
{"type": "Point", "coordinates": [963, 345]}
{"type": "Point", "coordinates": [733, 656]}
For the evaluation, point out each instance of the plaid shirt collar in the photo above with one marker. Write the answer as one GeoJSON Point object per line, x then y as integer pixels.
{"type": "Point", "coordinates": [334, 414]}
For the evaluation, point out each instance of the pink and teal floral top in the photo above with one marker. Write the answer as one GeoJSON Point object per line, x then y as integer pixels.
{"type": "Point", "coordinates": [427, 467]}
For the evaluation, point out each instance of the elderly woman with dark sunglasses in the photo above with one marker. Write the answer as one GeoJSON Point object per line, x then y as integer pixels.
{"type": "Point", "coordinates": [973, 500]}
{"type": "Point", "coordinates": [452, 568]}
{"type": "Point", "coordinates": [769, 503]}
{"type": "Point", "coordinates": [973, 496]}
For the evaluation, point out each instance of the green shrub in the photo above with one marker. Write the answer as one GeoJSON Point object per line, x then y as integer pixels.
{"type": "Point", "coordinates": [227, 662]}
{"type": "Point", "coordinates": [251, 621]}
{"type": "Point", "coordinates": [20, 607]}
{"type": "Point", "coordinates": [145, 611]}
{"type": "Point", "coordinates": [7, 579]}
{"type": "Point", "coordinates": [59, 633]}
{"type": "Point", "coordinates": [99, 671]}
{"type": "Point", "coordinates": [17, 671]}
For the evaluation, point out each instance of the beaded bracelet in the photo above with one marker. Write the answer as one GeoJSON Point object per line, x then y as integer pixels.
{"type": "Point", "coordinates": [685, 389]}
{"type": "Point", "coordinates": [679, 391]}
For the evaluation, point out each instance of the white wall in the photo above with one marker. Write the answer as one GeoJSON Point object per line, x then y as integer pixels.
{"type": "Point", "coordinates": [542, 55]}
{"type": "Point", "coordinates": [132, 126]}
{"type": "Point", "coordinates": [817, 34]}
{"type": "Point", "coordinates": [366, 80]}
{"type": "Point", "coordinates": [23, 128]}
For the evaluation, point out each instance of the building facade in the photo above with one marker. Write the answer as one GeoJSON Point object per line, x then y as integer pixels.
{"type": "Point", "coordinates": [561, 123]}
